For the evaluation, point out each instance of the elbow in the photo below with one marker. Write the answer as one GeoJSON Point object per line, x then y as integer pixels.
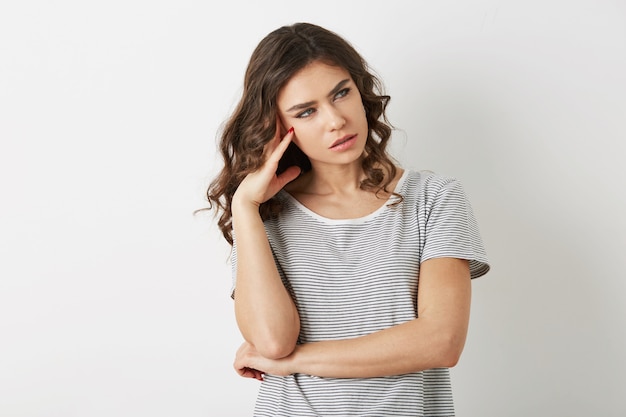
{"type": "Point", "coordinates": [450, 351]}
{"type": "Point", "coordinates": [270, 340]}
{"type": "Point", "coordinates": [274, 349]}
{"type": "Point", "coordinates": [274, 344]}
{"type": "Point", "coordinates": [450, 360]}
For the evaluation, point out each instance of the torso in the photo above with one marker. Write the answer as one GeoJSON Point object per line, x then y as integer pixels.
{"type": "Point", "coordinates": [352, 277]}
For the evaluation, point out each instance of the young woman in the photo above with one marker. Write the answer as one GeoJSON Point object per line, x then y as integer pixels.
{"type": "Point", "coordinates": [351, 275]}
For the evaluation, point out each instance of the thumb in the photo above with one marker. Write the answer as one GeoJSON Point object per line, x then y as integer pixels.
{"type": "Point", "coordinates": [289, 175]}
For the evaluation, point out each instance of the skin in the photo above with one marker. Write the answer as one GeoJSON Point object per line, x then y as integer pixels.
{"type": "Point", "coordinates": [322, 104]}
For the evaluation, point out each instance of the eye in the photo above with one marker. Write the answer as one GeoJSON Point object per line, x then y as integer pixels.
{"type": "Point", "coordinates": [305, 113]}
{"type": "Point", "coordinates": [342, 93]}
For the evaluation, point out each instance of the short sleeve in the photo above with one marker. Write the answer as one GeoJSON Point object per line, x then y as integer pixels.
{"type": "Point", "coordinates": [451, 229]}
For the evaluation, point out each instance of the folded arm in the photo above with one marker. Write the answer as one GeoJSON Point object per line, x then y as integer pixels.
{"type": "Point", "coordinates": [435, 339]}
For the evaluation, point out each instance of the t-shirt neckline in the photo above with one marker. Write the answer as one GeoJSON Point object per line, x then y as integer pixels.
{"type": "Point", "coordinates": [355, 220]}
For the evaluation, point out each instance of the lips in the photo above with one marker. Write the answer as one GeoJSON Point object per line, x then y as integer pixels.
{"type": "Point", "coordinates": [341, 141]}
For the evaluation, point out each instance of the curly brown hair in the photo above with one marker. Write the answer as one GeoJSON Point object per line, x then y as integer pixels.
{"type": "Point", "coordinates": [280, 55]}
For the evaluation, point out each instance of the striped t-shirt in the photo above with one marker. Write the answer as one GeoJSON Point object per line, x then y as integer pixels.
{"type": "Point", "coordinates": [352, 277]}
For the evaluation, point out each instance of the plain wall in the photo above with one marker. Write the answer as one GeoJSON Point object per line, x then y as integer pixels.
{"type": "Point", "coordinates": [114, 298]}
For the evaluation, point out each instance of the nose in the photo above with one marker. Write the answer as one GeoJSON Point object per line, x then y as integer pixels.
{"type": "Point", "coordinates": [335, 119]}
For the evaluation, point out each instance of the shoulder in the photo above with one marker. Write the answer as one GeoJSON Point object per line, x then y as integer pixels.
{"type": "Point", "coordinates": [428, 184]}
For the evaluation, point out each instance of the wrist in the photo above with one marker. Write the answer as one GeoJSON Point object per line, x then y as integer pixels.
{"type": "Point", "coordinates": [240, 205]}
{"type": "Point", "coordinates": [290, 363]}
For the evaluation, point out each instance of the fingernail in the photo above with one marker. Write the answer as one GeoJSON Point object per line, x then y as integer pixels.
{"type": "Point", "coordinates": [290, 130]}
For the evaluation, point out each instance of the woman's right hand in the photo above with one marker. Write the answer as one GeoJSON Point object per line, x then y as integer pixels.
{"type": "Point", "coordinates": [262, 184]}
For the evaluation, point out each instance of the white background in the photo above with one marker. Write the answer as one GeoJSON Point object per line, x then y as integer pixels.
{"type": "Point", "coordinates": [114, 297]}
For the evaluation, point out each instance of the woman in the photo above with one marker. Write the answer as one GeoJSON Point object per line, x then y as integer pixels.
{"type": "Point", "coordinates": [351, 275]}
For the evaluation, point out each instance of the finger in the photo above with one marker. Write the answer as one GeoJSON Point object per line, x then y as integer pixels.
{"type": "Point", "coordinates": [271, 146]}
{"type": "Point", "coordinates": [288, 175]}
{"type": "Point", "coordinates": [281, 147]}
{"type": "Point", "coordinates": [258, 375]}
{"type": "Point", "coordinates": [251, 373]}
{"type": "Point", "coordinates": [245, 372]}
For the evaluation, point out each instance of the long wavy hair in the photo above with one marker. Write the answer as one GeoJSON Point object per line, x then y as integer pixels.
{"type": "Point", "coordinates": [278, 57]}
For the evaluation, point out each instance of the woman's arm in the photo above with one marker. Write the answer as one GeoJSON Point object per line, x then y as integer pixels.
{"type": "Point", "coordinates": [435, 339]}
{"type": "Point", "coordinates": [265, 312]}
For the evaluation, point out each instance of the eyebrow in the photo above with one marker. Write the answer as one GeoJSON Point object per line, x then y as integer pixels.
{"type": "Point", "coordinates": [334, 91]}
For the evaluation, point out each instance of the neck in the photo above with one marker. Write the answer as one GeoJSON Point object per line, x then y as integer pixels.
{"type": "Point", "coordinates": [336, 179]}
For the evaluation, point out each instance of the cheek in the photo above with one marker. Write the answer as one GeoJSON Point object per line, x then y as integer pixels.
{"type": "Point", "coordinates": [297, 141]}
{"type": "Point", "coordinates": [303, 140]}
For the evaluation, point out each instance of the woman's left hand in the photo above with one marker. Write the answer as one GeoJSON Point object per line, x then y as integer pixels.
{"type": "Point", "coordinates": [250, 364]}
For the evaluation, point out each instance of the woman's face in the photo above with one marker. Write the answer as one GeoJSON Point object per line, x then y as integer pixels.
{"type": "Point", "coordinates": [323, 104]}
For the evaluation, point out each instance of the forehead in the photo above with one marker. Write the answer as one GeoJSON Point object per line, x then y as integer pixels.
{"type": "Point", "coordinates": [315, 80]}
